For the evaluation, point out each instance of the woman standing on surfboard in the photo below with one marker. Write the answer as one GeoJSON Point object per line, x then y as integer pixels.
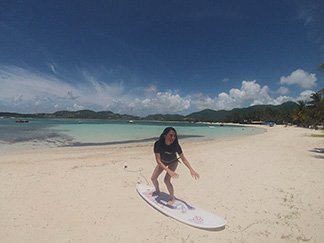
{"type": "Point", "coordinates": [166, 150]}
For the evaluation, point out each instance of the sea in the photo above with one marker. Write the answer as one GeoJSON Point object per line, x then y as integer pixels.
{"type": "Point", "coordinates": [93, 132]}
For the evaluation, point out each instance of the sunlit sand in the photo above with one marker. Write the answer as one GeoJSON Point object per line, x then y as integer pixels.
{"type": "Point", "coordinates": [269, 188]}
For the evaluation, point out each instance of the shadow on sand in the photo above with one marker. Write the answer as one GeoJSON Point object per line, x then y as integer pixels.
{"type": "Point", "coordinates": [163, 199]}
{"type": "Point", "coordinates": [319, 153]}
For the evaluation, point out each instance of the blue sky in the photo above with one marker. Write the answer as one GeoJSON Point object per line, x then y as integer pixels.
{"type": "Point", "coordinates": [146, 57]}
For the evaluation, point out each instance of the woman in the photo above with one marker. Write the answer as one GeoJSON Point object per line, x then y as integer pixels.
{"type": "Point", "coordinates": [166, 150]}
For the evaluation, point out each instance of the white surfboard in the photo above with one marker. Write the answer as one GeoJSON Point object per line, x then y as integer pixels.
{"type": "Point", "coordinates": [180, 210]}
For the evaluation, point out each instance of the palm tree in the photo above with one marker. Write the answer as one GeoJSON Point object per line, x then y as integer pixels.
{"type": "Point", "coordinates": [321, 66]}
{"type": "Point", "coordinates": [299, 114]}
{"type": "Point", "coordinates": [316, 109]}
{"type": "Point", "coordinates": [316, 99]}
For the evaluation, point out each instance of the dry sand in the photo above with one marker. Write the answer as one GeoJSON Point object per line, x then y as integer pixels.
{"type": "Point", "coordinates": [269, 187]}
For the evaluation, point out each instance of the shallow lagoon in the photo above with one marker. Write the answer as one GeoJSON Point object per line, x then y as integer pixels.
{"type": "Point", "coordinates": [73, 132]}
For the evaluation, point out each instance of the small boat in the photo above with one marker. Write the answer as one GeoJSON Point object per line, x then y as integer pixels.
{"type": "Point", "coordinates": [22, 121]}
{"type": "Point", "coordinates": [130, 121]}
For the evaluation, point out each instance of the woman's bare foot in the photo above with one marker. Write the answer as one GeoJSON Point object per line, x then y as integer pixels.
{"type": "Point", "coordinates": [171, 201]}
{"type": "Point", "coordinates": [155, 193]}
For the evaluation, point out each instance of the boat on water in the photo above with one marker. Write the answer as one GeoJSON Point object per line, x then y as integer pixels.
{"type": "Point", "coordinates": [22, 121]}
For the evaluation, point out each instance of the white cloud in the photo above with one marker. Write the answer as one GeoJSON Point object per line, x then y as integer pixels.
{"type": "Point", "coordinates": [225, 102]}
{"type": "Point", "coordinates": [251, 93]}
{"type": "Point", "coordinates": [305, 95]}
{"type": "Point", "coordinates": [250, 90]}
{"type": "Point", "coordinates": [283, 91]}
{"type": "Point", "coordinates": [159, 102]}
{"type": "Point", "coordinates": [20, 82]}
{"type": "Point", "coordinates": [52, 67]}
{"type": "Point", "coordinates": [78, 107]}
{"type": "Point", "coordinates": [201, 101]}
{"type": "Point", "coordinates": [300, 78]}
{"type": "Point", "coordinates": [25, 91]}
{"type": "Point", "coordinates": [21, 88]}
{"type": "Point", "coordinates": [71, 96]}
{"type": "Point", "coordinates": [311, 14]}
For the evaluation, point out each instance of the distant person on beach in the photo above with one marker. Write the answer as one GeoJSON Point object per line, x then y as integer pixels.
{"type": "Point", "coordinates": [166, 150]}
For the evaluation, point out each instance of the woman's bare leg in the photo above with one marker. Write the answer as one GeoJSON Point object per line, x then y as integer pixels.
{"type": "Point", "coordinates": [157, 171]}
{"type": "Point", "coordinates": [167, 181]}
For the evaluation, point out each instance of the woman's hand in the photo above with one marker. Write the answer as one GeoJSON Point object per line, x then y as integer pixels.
{"type": "Point", "coordinates": [194, 174]}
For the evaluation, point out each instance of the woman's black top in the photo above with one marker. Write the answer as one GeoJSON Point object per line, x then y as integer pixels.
{"type": "Point", "coordinates": [168, 153]}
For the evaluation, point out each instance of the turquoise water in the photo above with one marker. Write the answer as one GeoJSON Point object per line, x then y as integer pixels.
{"type": "Point", "coordinates": [70, 132]}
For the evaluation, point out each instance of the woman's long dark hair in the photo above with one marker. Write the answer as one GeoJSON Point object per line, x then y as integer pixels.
{"type": "Point", "coordinates": [165, 132]}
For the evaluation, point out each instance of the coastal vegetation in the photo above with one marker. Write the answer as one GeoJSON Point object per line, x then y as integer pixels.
{"type": "Point", "coordinates": [310, 114]}
{"type": "Point", "coordinates": [302, 113]}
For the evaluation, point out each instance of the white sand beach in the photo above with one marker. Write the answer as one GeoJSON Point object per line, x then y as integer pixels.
{"type": "Point", "coordinates": [269, 187]}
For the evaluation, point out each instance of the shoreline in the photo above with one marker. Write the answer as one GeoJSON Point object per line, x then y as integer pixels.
{"type": "Point", "coordinates": [268, 187]}
{"type": "Point", "coordinates": [52, 139]}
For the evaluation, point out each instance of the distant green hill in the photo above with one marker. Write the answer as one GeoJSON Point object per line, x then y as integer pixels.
{"type": "Point", "coordinates": [276, 113]}
{"type": "Point", "coordinates": [208, 115]}
{"type": "Point", "coordinates": [82, 114]}
{"type": "Point", "coordinates": [89, 114]}
{"type": "Point", "coordinates": [166, 117]}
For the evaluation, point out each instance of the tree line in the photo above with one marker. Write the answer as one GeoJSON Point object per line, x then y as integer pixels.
{"type": "Point", "coordinates": [302, 113]}
{"type": "Point", "coordinates": [311, 113]}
